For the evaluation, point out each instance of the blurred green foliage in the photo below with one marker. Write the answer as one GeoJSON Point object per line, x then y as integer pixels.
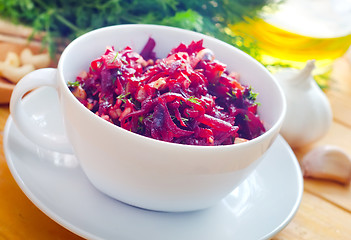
{"type": "Point", "coordinates": [71, 18]}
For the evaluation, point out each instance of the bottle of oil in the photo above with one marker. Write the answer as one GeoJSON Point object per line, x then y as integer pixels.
{"type": "Point", "coordinates": [296, 31]}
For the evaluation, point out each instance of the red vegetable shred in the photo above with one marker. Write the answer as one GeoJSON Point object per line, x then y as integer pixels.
{"type": "Point", "coordinates": [188, 97]}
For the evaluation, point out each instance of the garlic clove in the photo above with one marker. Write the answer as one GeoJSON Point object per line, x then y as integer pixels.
{"type": "Point", "coordinates": [309, 114]}
{"type": "Point", "coordinates": [329, 163]}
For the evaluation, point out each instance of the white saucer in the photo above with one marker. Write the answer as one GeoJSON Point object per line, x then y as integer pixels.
{"type": "Point", "coordinates": [258, 209]}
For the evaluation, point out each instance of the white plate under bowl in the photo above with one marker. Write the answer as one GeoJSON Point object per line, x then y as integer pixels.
{"type": "Point", "coordinates": [258, 209]}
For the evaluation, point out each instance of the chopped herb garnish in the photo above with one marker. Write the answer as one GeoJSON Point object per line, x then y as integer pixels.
{"type": "Point", "coordinates": [232, 94]}
{"type": "Point", "coordinates": [73, 84]}
{"type": "Point", "coordinates": [185, 119]}
{"type": "Point", "coordinates": [114, 58]}
{"type": "Point", "coordinates": [122, 97]}
{"type": "Point", "coordinates": [252, 95]}
{"type": "Point", "coordinates": [194, 100]}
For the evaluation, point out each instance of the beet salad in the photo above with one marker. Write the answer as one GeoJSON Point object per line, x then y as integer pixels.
{"type": "Point", "coordinates": [188, 97]}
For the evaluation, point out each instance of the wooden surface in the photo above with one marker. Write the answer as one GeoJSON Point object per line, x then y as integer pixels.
{"type": "Point", "coordinates": [324, 213]}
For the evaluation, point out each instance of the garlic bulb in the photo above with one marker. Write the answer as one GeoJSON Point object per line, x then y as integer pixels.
{"type": "Point", "coordinates": [309, 114]}
{"type": "Point", "coordinates": [327, 162]}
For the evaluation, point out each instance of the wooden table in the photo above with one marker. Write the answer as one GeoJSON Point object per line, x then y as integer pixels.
{"type": "Point", "coordinates": [324, 213]}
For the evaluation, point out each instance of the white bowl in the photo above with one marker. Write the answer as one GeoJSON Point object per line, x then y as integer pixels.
{"type": "Point", "coordinates": [152, 174]}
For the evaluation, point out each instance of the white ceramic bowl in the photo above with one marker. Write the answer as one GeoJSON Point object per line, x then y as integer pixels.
{"type": "Point", "coordinates": [149, 173]}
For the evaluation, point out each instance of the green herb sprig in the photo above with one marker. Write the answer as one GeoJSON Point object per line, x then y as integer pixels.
{"type": "Point", "coordinates": [71, 18]}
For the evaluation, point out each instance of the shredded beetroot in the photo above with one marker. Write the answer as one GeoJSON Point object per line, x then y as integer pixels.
{"type": "Point", "coordinates": [187, 97]}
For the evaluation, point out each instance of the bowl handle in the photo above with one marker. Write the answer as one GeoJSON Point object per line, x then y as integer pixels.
{"type": "Point", "coordinates": [29, 127]}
